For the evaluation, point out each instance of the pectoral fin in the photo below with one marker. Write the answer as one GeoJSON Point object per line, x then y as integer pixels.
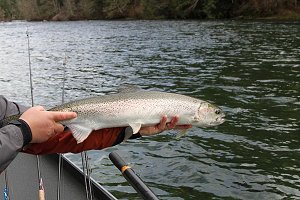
{"type": "Point", "coordinates": [80, 133]}
{"type": "Point", "coordinates": [135, 127]}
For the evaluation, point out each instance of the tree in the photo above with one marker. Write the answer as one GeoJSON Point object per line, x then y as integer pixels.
{"type": "Point", "coordinates": [7, 8]}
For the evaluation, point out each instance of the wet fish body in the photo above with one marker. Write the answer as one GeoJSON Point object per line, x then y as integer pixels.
{"type": "Point", "coordinates": [137, 109]}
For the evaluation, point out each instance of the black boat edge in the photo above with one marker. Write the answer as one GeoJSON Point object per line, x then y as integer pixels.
{"type": "Point", "coordinates": [23, 182]}
{"type": "Point", "coordinates": [98, 190]}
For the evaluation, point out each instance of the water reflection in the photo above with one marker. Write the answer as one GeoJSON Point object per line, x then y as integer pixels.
{"type": "Point", "coordinates": [250, 69]}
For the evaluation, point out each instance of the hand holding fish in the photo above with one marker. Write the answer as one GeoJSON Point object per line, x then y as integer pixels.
{"type": "Point", "coordinates": [43, 124]}
{"type": "Point", "coordinates": [163, 125]}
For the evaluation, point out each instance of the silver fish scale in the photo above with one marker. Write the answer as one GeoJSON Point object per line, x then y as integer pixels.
{"type": "Point", "coordinates": [147, 95]}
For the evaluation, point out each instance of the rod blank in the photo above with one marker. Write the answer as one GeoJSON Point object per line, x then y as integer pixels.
{"type": "Point", "coordinates": [131, 177]}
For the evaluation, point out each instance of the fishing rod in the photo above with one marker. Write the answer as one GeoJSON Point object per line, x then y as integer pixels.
{"type": "Point", "coordinates": [131, 177]}
{"type": "Point", "coordinates": [64, 80]}
{"type": "Point", "coordinates": [40, 180]}
{"type": "Point", "coordinates": [84, 157]}
{"type": "Point", "coordinates": [6, 189]}
{"type": "Point", "coordinates": [87, 175]}
{"type": "Point", "coordinates": [60, 158]}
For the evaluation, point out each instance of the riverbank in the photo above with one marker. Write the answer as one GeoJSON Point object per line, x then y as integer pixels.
{"type": "Point", "coordinates": [282, 14]}
{"type": "Point", "coordinates": [69, 10]}
{"type": "Point", "coordinates": [286, 15]}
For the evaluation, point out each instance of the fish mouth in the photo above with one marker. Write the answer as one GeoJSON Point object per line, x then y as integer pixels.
{"type": "Point", "coordinates": [218, 121]}
{"type": "Point", "coordinates": [222, 120]}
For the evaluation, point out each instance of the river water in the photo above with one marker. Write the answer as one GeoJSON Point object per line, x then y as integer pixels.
{"type": "Point", "coordinates": [250, 69]}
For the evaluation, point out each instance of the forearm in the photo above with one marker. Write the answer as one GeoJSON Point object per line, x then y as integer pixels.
{"type": "Point", "coordinates": [11, 142]}
{"type": "Point", "coordinates": [11, 137]}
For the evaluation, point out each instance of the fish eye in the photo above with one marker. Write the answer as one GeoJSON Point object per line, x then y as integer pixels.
{"type": "Point", "coordinates": [217, 112]}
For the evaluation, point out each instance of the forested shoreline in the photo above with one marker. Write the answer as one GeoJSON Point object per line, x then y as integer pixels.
{"type": "Point", "coordinates": [61, 10]}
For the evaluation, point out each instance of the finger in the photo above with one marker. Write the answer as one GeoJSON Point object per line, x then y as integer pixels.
{"type": "Point", "coordinates": [58, 128]}
{"type": "Point", "coordinates": [173, 122]}
{"type": "Point", "coordinates": [163, 122]}
{"type": "Point", "coordinates": [60, 116]}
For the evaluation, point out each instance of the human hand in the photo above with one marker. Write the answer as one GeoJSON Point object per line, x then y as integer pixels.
{"type": "Point", "coordinates": [43, 124]}
{"type": "Point", "coordinates": [163, 125]}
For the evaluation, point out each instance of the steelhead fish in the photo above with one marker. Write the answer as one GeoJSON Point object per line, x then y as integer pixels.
{"type": "Point", "coordinates": [137, 109]}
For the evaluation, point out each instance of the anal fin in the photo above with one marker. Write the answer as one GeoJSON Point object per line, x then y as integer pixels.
{"type": "Point", "coordinates": [135, 127]}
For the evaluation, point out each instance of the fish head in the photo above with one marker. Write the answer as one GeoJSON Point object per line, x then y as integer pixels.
{"type": "Point", "coordinates": [209, 115]}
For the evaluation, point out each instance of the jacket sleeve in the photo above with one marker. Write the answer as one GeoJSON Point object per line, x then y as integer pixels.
{"type": "Point", "coordinates": [11, 137]}
{"type": "Point", "coordinates": [65, 142]}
